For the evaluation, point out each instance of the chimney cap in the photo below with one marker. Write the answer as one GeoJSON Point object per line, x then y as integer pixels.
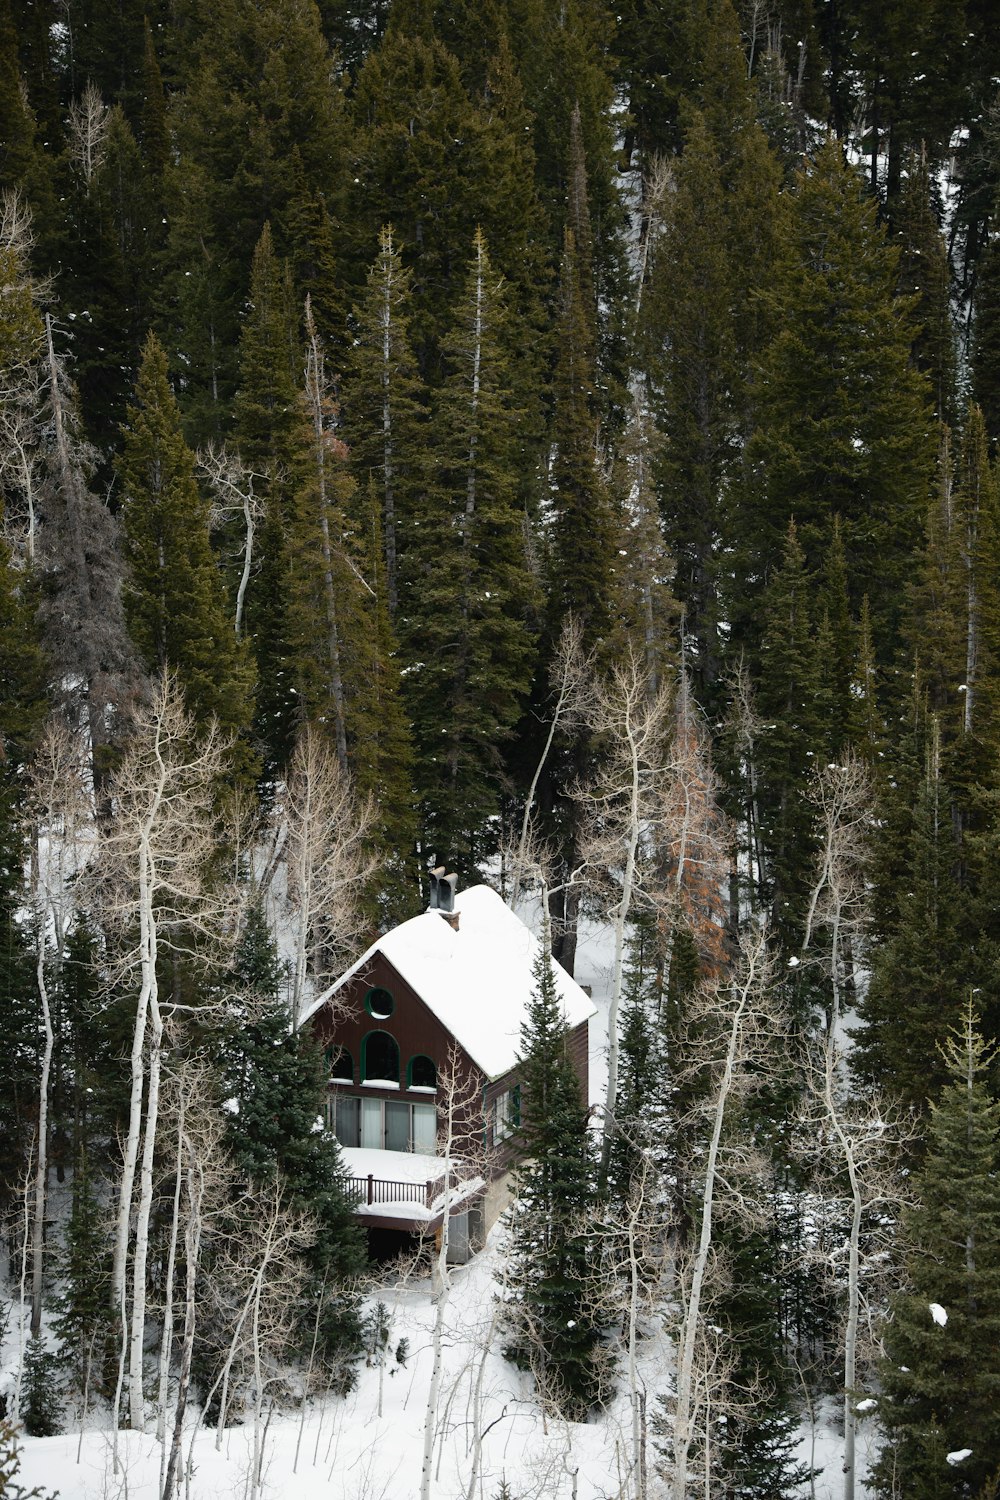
{"type": "Point", "coordinates": [442, 890]}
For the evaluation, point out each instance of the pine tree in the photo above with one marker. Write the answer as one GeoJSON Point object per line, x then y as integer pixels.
{"type": "Point", "coordinates": [924, 280]}
{"type": "Point", "coordinates": [582, 529]}
{"type": "Point", "coordinates": [465, 579]}
{"type": "Point", "coordinates": [174, 597]}
{"type": "Point", "coordinates": [42, 1407]}
{"type": "Point", "coordinates": [921, 963]}
{"type": "Point", "coordinates": [383, 403]}
{"type": "Point", "coordinates": [695, 380]}
{"type": "Point", "coordinates": [791, 737]}
{"type": "Point", "coordinates": [260, 87]}
{"type": "Point", "coordinates": [941, 1374]}
{"type": "Point", "coordinates": [277, 1080]}
{"type": "Point", "coordinates": [551, 1328]}
{"type": "Point", "coordinates": [842, 421]}
{"type": "Point", "coordinates": [82, 1321]}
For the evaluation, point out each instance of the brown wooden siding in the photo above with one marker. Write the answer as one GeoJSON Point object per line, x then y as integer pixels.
{"type": "Point", "coordinates": [345, 1022]}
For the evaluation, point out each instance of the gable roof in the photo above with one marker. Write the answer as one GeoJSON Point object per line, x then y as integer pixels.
{"type": "Point", "coordinates": [477, 981]}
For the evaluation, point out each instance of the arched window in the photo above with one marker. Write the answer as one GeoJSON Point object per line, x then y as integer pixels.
{"type": "Point", "coordinates": [379, 1058]}
{"type": "Point", "coordinates": [341, 1064]}
{"type": "Point", "coordinates": [422, 1073]}
{"type": "Point", "coordinates": [379, 1003]}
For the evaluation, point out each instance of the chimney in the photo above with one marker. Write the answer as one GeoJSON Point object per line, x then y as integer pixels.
{"type": "Point", "coordinates": [435, 877]}
{"type": "Point", "coordinates": [443, 895]}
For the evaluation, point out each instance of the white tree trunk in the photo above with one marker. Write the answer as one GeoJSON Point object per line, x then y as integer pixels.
{"type": "Point", "coordinates": [137, 1404]}
{"type": "Point", "coordinates": [685, 1364]}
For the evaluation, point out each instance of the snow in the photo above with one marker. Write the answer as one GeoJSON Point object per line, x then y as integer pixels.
{"type": "Point", "coordinates": [477, 981]}
{"type": "Point", "coordinates": [958, 1457]}
{"type": "Point", "coordinates": [349, 1449]}
{"type": "Point", "coordinates": [938, 1313]}
{"type": "Point", "coordinates": [392, 1166]}
{"type": "Point", "coordinates": [869, 1404]}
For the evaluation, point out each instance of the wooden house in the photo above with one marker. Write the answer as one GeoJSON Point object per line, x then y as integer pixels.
{"type": "Point", "coordinates": [422, 1035]}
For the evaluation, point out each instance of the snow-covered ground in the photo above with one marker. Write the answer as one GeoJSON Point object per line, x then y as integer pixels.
{"type": "Point", "coordinates": [368, 1445]}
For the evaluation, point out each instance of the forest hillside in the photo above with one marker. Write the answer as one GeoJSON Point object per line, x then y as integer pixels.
{"type": "Point", "coordinates": [556, 443]}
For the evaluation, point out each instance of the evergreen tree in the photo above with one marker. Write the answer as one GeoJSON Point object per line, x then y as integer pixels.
{"type": "Point", "coordinates": [551, 1328]}
{"type": "Point", "coordinates": [383, 403]}
{"type": "Point", "coordinates": [582, 530]}
{"type": "Point", "coordinates": [277, 1079]}
{"type": "Point", "coordinates": [941, 1374]}
{"type": "Point", "coordinates": [925, 282]}
{"type": "Point", "coordinates": [82, 1321]}
{"type": "Point", "coordinates": [921, 962]}
{"type": "Point", "coordinates": [842, 424]}
{"type": "Point", "coordinates": [695, 380]}
{"type": "Point", "coordinates": [791, 736]}
{"type": "Point", "coordinates": [174, 597]}
{"type": "Point", "coordinates": [42, 1407]}
{"type": "Point", "coordinates": [258, 124]}
{"type": "Point", "coordinates": [465, 581]}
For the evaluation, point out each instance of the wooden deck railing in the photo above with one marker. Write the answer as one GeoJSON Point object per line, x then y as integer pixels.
{"type": "Point", "coordinates": [373, 1189]}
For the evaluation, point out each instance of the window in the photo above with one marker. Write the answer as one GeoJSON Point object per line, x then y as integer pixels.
{"type": "Point", "coordinates": [379, 1003]}
{"type": "Point", "coordinates": [379, 1058]}
{"type": "Point", "coordinates": [341, 1065]}
{"type": "Point", "coordinates": [507, 1113]}
{"type": "Point", "coordinates": [385, 1124]}
{"type": "Point", "coordinates": [422, 1073]}
{"type": "Point", "coordinates": [347, 1119]}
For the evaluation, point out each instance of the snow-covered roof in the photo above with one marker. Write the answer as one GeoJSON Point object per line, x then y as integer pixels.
{"type": "Point", "coordinates": [477, 981]}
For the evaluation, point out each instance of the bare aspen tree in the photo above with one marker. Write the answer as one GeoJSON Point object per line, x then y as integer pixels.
{"type": "Point", "coordinates": [691, 840]}
{"type": "Point", "coordinates": [20, 380]}
{"type": "Point", "coordinates": [326, 863]}
{"type": "Point", "coordinates": [61, 809]}
{"type": "Point", "coordinates": [20, 467]}
{"type": "Point", "coordinates": [657, 186]}
{"type": "Point", "coordinates": [636, 1256]}
{"type": "Point", "coordinates": [631, 725]}
{"type": "Point", "coordinates": [256, 1284]}
{"type": "Point", "coordinates": [202, 1173]}
{"type": "Point", "coordinates": [460, 1127]}
{"type": "Point", "coordinates": [734, 1026]}
{"type": "Point", "coordinates": [89, 118]}
{"type": "Point", "coordinates": [856, 1132]}
{"type": "Point", "coordinates": [231, 482]}
{"type": "Point", "coordinates": [151, 884]}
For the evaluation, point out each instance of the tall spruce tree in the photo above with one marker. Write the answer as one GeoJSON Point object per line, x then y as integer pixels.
{"type": "Point", "coordinates": [940, 1401]}
{"type": "Point", "coordinates": [468, 590]}
{"type": "Point", "coordinates": [383, 402]}
{"type": "Point", "coordinates": [842, 420]}
{"type": "Point", "coordinates": [174, 597]}
{"type": "Point", "coordinates": [551, 1323]}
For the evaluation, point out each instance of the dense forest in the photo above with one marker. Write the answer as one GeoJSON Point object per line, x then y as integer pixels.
{"type": "Point", "coordinates": [557, 442]}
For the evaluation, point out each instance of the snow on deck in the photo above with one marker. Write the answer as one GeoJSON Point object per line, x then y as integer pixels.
{"type": "Point", "coordinates": [412, 1170]}
{"type": "Point", "coordinates": [392, 1166]}
{"type": "Point", "coordinates": [477, 981]}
